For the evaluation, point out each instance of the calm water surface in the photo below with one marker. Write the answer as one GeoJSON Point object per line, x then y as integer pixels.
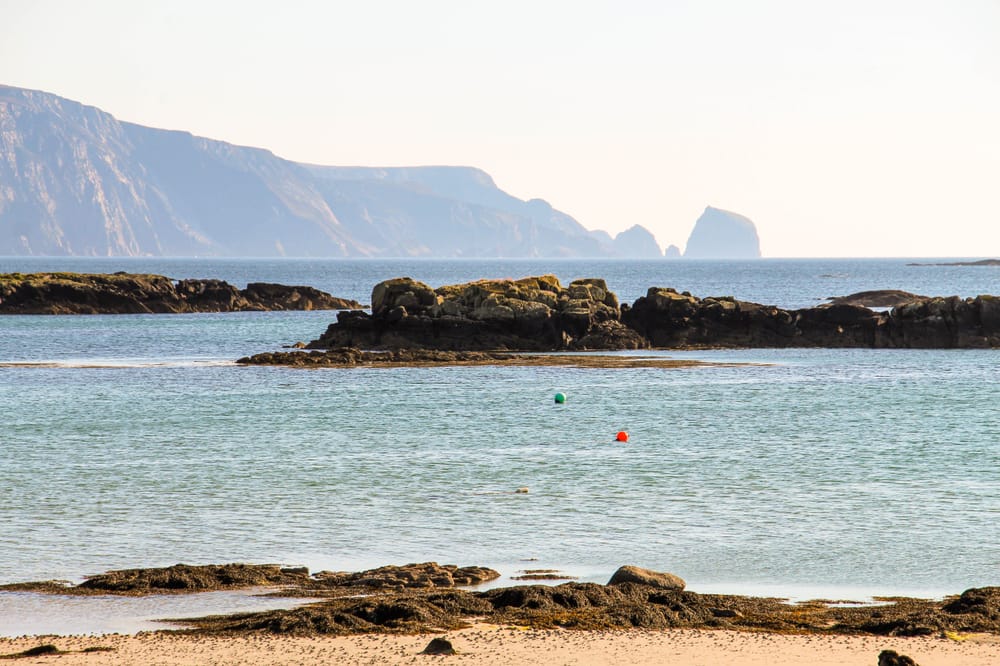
{"type": "Point", "coordinates": [133, 441]}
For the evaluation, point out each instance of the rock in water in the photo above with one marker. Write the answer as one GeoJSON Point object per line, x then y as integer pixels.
{"type": "Point", "coordinates": [637, 242]}
{"type": "Point", "coordinates": [439, 646]}
{"type": "Point", "coordinates": [721, 234]}
{"type": "Point", "coordinates": [893, 658]}
{"type": "Point", "coordinates": [633, 574]}
{"type": "Point", "coordinates": [530, 314]}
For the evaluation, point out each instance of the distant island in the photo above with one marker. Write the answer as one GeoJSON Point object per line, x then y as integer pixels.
{"type": "Point", "coordinates": [76, 181]}
{"type": "Point", "coordinates": [723, 234]}
{"type": "Point", "coordinates": [981, 262]}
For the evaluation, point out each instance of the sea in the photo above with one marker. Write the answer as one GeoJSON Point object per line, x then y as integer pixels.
{"type": "Point", "coordinates": [136, 441]}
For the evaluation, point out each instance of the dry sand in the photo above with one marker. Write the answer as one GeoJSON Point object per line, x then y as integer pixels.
{"type": "Point", "coordinates": [487, 644]}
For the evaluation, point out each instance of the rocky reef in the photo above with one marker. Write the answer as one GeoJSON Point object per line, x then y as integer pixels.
{"type": "Point", "coordinates": [351, 357]}
{"type": "Point", "coordinates": [427, 597]}
{"type": "Point", "coordinates": [128, 293]}
{"type": "Point", "coordinates": [188, 578]}
{"type": "Point", "coordinates": [538, 314]}
{"type": "Point", "coordinates": [530, 314]}
{"type": "Point", "coordinates": [678, 320]}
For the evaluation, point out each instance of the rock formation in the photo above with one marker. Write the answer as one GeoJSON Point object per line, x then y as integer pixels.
{"type": "Point", "coordinates": [532, 314]}
{"type": "Point", "coordinates": [125, 293]}
{"type": "Point", "coordinates": [879, 298]}
{"type": "Point", "coordinates": [678, 320]}
{"type": "Point", "coordinates": [637, 242]}
{"type": "Point", "coordinates": [539, 314]}
{"type": "Point", "coordinates": [672, 252]}
{"type": "Point", "coordinates": [721, 234]}
{"type": "Point", "coordinates": [633, 574]}
{"type": "Point", "coordinates": [426, 597]}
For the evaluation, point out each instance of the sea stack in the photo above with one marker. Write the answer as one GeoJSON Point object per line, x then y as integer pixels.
{"type": "Point", "coordinates": [722, 234]}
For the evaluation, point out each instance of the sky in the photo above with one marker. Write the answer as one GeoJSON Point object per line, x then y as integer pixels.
{"type": "Point", "coordinates": [841, 128]}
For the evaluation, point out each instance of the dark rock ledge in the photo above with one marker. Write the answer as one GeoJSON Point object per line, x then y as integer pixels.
{"type": "Point", "coordinates": [538, 314]}
{"type": "Point", "coordinates": [424, 598]}
{"type": "Point", "coordinates": [350, 357]}
{"type": "Point", "coordinates": [128, 293]}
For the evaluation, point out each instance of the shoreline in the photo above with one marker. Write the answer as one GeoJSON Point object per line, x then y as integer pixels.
{"type": "Point", "coordinates": [421, 598]}
{"type": "Point", "coordinates": [492, 645]}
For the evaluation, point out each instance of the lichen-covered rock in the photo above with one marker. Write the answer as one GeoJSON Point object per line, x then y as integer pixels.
{"type": "Point", "coordinates": [529, 314]}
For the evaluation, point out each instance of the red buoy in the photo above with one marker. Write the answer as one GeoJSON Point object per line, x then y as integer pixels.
{"type": "Point", "coordinates": [622, 436]}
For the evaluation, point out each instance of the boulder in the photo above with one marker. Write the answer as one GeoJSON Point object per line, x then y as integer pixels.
{"type": "Point", "coordinates": [893, 658]}
{"type": "Point", "coordinates": [439, 646]}
{"type": "Point", "coordinates": [640, 576]}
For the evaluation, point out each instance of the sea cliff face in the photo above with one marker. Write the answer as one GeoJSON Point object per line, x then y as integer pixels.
{"type": "Point", "coordinates": [722, 234]}
{"type": "Point", "coordinates": [75, 180]}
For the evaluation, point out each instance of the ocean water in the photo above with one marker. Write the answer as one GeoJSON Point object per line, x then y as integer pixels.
{"type": "Point", "coordinates": [133, 440]}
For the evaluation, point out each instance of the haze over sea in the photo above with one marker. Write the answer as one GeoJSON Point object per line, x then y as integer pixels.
{"type": "Point", "coordinates": [133, 441]}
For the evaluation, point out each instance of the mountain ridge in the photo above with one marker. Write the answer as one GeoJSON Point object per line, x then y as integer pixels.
{"type": "Point", "coordinates": [75, 180]}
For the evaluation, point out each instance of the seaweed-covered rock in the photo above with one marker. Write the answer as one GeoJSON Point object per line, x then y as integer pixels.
{"type": "Point", "coordinates": [127, 293]}
{"type": "Point", "coordinates": [983, 602]}
{"type": "Point", "coordinates": [408, 576]}
{"type": "Point", "coordinates": [188, 578]}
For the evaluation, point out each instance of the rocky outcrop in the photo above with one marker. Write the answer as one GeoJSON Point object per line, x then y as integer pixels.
{"type": "Point", "coordinates": [672, 252]}
{"type": "Point", "coordinates": [539, 314]}
{"type": "Point", "coordinates": [186, 578]}
{"type": "Point", "coordinates": [426, 597]}
{"type": "Point", "coordinates": [640, 576]}
{"type": "Point", "coordinates": [879, 298]}
{"type": "Point", "coordinates": [126, 293]}
{"type": "Point", "coordinates": [351, 357]}
{"type": "Point", "coordinates": [531, 314]}
{"type": "Point", "coordinates": [593, 606]}
{"type": "Point", "coordinates": [637, 242]}
{"type": "Point", "coordinates": [679, 320]}
{"type": "Point", "coordinates": [408, 576]}
{"type": "Point", "coordinates": [721, 234]}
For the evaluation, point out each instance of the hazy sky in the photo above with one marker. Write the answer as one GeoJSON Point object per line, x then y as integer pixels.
{"type": "Point", "coordinates": [841, 127]}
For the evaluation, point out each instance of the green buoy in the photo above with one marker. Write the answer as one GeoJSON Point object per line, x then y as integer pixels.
{"type": "Point", "coordinates": [560, 398]}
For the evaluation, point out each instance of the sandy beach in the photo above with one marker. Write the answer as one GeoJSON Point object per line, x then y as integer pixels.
{"type": "Point", "coordinates": [488, 644]}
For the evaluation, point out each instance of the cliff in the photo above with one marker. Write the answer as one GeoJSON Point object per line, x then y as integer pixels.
{"type": "Point", "coordinates": [74, 180]}
{"type": "Point", "coordinates": [721, 234]}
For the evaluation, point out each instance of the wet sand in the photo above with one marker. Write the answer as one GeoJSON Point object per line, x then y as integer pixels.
{"type": "Point", "coordinates": [506, 646]}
